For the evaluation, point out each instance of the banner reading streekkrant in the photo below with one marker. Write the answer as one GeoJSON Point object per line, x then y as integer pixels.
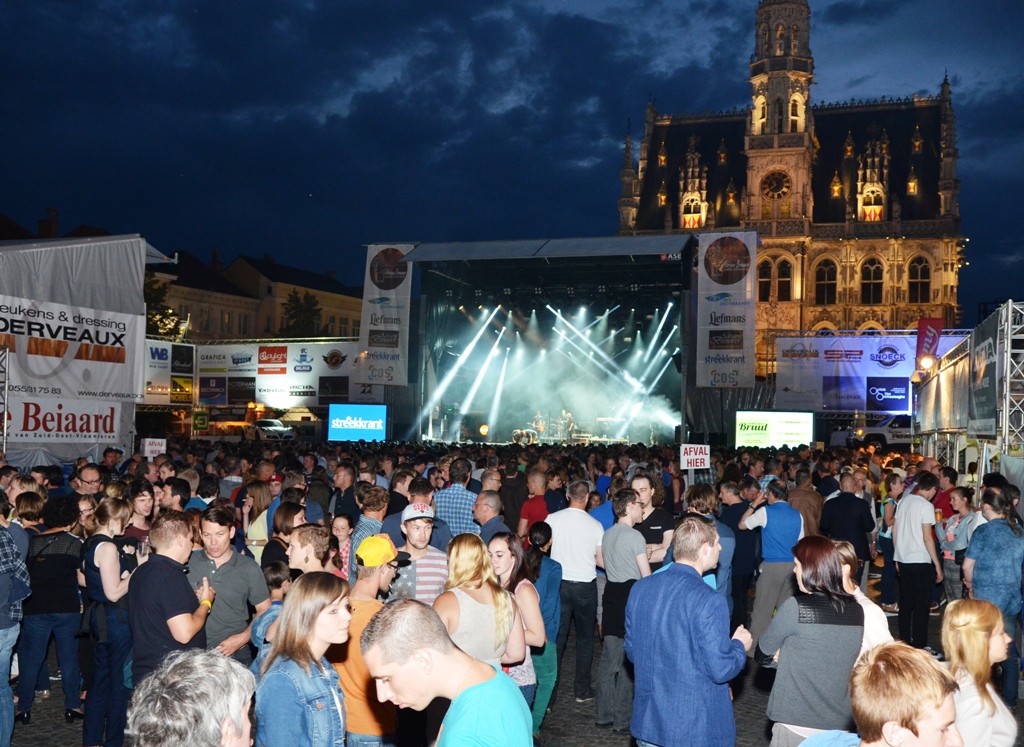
{"type": "Point", "coordinates": [725, 310]}
{"type": "Point", "coordinates": [384, 330]}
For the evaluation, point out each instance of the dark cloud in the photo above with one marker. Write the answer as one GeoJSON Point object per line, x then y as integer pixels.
{"type": "Point", "coordinates": [304, 130]}
{"type": "Point", "coordinates": [858, 12]}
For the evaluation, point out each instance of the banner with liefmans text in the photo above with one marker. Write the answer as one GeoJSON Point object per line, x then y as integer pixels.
{"type": "Point", "coordinates": [384, 330]}
{"type": "Point", "coordinates": [726, 307]}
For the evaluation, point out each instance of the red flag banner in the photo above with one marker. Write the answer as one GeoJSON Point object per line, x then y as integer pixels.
{"type": "Point", "coordinates": [929, 332]}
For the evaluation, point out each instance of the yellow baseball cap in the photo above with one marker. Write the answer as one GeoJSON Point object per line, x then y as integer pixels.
{"type": "Point", "coordinates": [378, 549]}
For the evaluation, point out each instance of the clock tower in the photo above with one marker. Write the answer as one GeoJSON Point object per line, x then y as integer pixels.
{"type": "Point", "coordinates": [779, 142]}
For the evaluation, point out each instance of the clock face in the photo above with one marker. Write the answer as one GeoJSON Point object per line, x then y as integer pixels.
{"type": "Point", "coordinates": [776, 185]}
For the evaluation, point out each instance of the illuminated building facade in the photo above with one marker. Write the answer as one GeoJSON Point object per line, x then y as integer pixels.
{"type": "Point", "coordinates": [855, 203]}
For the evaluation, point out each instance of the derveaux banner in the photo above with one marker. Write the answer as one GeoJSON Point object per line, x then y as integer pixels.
{"type": "Point", "coordinates": [384, 329]}
{"type": "Point", "coordinates": [726, 305]}
{"type": "Point", "coordinates": [66, 366]}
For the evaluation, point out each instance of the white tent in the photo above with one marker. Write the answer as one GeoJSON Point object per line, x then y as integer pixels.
{"type": "Point", "coordinates": [72, 317]}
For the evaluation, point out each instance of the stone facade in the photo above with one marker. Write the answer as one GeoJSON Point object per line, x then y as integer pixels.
{"type": "Point", "coordinates": [855, 203]}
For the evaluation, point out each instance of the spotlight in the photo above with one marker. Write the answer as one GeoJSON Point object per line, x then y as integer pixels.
{"type": "Point", "coordinates": [927, 362]}
{"type": "Point", "coordinates": [484, 430]}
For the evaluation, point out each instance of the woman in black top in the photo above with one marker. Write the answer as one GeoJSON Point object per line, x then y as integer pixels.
{"type": "Point", "coordinates": [286, 518]}
{"type": "Point", "coordinates": [53, 562]}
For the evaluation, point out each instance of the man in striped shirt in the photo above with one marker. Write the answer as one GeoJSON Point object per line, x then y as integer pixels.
{"type": "Point", "coordinates": [424, 576]}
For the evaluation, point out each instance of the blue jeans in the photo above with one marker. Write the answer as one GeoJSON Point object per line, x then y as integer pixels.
{"type": "Point", "coordinates": [369, 740]}
{"type": "Point", "coordinates": [35, 635]}
{"type": "Point", "coordinates": [614, 685]}
{"type": "Point", "coordinates": [8, 637]}
{"type": "Point", "coordinates": [106, 706]}
{"type": "Point", "coordinates": [579, 600]}
{"type": "Point", "coordinates": [529, 692]}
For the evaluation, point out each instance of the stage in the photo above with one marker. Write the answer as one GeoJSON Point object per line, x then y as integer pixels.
{"type": "Point", "coordinates": [571, 341]}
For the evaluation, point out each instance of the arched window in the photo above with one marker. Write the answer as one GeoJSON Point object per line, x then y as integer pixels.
{"type": "Point", "coordinates": [920, 280]}
{"type": "Point", "coordinates": [784, 289]}
{"type": "Point", "coordinates": [763, 118]}
{"type": "Point", "coordinates": [825, 283]}
{"type": "Point", "coordinates": [764, 281]}
{"type": "Point", "coordinates": [765, 42]}
{"type": "Point", "coordinates": [794, 42]}
{"type": "Point", "coordinates": [871, 282]}
{"type": "Point", "coordinates": [780, 40]}
{"type": "Point", "coordinates": [794, 116]}
{"type": "Point", "coordinates": [780, 113]}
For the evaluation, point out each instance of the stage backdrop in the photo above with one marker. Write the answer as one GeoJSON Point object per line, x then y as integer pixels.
{"type": "Point", "coordinates": [384, 331]}
{"type": "Point", "coordinates": [725, 310]}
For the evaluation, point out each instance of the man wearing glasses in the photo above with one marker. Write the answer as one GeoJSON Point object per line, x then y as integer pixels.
{"type": "Point", "coordinates": [369, 721]}
{"type": "Point", "coordinates": [89, 480]}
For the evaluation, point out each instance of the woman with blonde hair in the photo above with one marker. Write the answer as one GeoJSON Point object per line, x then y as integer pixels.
{"type": "Point", "coordinates": [974, 640]}
{"type": "Point", "coordinates": [254, 518]}
{"type": "Point", "coordinates": [299, 699]}
{"type": "Point", "coordinates": [481, 617]}
{"type": "Point", "coordinates": [876, 627]}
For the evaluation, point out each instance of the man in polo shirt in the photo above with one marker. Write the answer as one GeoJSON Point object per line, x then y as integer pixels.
{"type": "Point", "coordinates": [455, 503]}
{"type": "Point", "coordinates": [238, 580]}
{"type": "Point", "coordinates": [576, 537]}
{"type": "Point", "coordinates": [165, 613]}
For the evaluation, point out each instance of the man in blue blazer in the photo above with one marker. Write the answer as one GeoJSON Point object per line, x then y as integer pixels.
{"type": "Point", "coordinates": [677, 635]}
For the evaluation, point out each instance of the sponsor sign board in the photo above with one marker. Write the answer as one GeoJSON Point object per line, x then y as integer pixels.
{"type": "Point", "coordinates": [282, 375]}
{"type": "Point", "coordinates": [384, 329]}
{"type": "Point", "coordinates": [72, 353]}
{"type": "Point", "coordinates": [357, 422]}
{"type": "Point", "coordinates": [983, 395]}
{"type": "Point", "coordinates": [45, 419]}
{"type": "Point", "coordinates": [773, 429]}
{"type": "Point", "coordinates": [847, 373]}
{"type": "Point", "coordinates": [725, 310]}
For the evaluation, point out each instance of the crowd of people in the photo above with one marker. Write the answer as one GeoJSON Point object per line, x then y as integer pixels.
{"type": "Point", "coordinates": [391, 595]}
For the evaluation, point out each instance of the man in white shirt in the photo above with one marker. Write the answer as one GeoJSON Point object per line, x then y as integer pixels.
{"type": "Point", "coordinates": [576, 537]}
{"type": "Point", "coordinates": [917, 559]}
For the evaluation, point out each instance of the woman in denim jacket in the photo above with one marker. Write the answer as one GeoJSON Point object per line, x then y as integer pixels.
{"type": "Point", "coordinates": [298, 700]}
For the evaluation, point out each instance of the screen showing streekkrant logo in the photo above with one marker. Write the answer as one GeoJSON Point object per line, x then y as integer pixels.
{"type": "Point", "coordinates": [357, 422]}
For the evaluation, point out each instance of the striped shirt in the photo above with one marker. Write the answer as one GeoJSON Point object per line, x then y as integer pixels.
{"type": "Point", "coordinates": [423, 579]}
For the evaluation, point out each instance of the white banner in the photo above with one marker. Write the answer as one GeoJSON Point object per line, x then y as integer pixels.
{"type": "Point", "coordinates": [282, 375]}
{"type": "Point", "coordinates": [726, 306]}
{"type": "Point", "coordinates": [72, 353]}
{"type": "Point", "coordinates": [848, 373]}
{"type": "Point", "coordinates": [44, 420]}
{"type": "Point", "coordinates": [384, 330]}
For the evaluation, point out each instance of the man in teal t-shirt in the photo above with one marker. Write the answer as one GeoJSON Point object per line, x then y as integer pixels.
{"type": "Point", "coordinates": [412, 660]}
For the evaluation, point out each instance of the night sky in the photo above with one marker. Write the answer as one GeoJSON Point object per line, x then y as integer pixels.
{"type": "Point", "coordinates": [304, 130]}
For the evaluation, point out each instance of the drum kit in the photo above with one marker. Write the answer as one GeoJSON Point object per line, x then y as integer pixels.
{"type": "Point", "coordinates": [562, 428]}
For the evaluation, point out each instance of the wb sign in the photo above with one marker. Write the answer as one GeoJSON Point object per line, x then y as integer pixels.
{"type": "Point", "coordinates": [159, 354]}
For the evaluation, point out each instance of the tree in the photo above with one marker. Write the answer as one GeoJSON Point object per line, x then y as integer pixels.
{"type": "Point", "coordinates": [301, 316]}
{"type": "Point", "coordinates": [161, 319]}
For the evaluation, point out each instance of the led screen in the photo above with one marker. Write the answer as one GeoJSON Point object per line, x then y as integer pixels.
{"type": "Point", "coordinates": [773, 429]}
{"type": "Point", "coordinates": [355, 422]}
